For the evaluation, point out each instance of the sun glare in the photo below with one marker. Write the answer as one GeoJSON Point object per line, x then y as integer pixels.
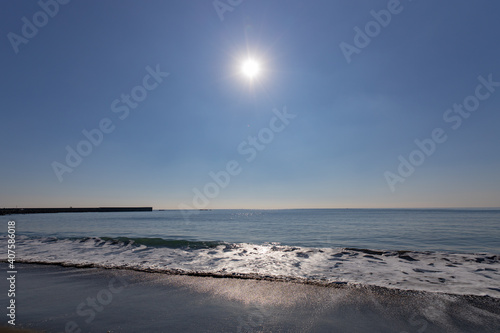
{"type": "Point", "coordinates": [250, 68]}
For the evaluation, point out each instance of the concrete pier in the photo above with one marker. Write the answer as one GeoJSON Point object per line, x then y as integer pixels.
{"type": "Point", "coordinates": [9, 211]}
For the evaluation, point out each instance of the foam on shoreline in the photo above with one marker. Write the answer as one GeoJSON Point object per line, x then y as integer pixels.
{"type": "Point", "coordinates": [451, 273]}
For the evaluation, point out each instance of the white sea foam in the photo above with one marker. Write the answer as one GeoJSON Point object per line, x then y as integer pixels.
{"type": "Point", "coordinates": [455, 273]}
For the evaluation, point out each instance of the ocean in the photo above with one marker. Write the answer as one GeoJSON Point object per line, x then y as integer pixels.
{"type": "Point", "coordinates": [452, 251]}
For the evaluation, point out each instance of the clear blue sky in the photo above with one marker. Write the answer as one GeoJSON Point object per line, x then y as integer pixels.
{"type": "Point", "coordinates": [353, 119]}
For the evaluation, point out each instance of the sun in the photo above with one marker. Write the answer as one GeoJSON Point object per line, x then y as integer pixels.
{"type": "Point", "coordinates": [250, 68]}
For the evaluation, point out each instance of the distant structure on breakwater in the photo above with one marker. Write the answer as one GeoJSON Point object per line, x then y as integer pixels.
{"type": "Point", "coordinates": [9, 211]}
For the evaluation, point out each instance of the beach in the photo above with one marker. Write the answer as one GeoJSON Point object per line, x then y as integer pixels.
{"type": "Point", "coordinates": [53, 298]}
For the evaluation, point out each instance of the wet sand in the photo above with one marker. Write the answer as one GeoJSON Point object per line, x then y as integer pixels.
{"type": "Point", "coordinates": [65, 299]}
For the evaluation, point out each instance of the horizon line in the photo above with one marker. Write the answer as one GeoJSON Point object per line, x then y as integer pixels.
{"type": "Point", "coordinates": [289, 208]}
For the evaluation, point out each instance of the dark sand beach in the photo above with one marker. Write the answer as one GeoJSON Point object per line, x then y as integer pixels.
{"type": "Point", "coordinates": [66, 299]}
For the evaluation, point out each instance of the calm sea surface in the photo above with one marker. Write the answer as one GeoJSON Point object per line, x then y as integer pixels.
{"type": "Point", "coordinates": [385, 229]}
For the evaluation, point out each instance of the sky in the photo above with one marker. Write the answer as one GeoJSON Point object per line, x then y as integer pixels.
{"type": "Point", "coordinates": [360, 104]}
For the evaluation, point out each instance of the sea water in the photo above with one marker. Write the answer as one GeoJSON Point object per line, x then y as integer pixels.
{"type": "Point", "coordinates": [453, 251]}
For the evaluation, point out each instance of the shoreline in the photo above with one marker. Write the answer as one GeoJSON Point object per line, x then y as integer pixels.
{"type": "Point", "coordinates": [55, 298]}
{"type": "Point", "coordinates": [267, 278]}
{"type": "Point", "coordinates": [459, 274]}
